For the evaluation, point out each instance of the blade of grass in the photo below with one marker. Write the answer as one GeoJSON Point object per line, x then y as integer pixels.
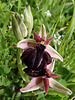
{"type": "Point", "coordinates": [58, 19]}
{"type": "Point", "coordinates": [19, 5]}
{"type": "Point", "coordinates": [69, 33]}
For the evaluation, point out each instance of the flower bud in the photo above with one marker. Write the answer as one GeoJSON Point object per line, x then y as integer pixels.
{"type": "Point", "coordinates": [42, 32]}
{"type": "Point", "coordinates": [28, 17]}
{"type": "Point", "coordinates": [21, 25]}
{"type": "Point", "coordinates": [19, 28]}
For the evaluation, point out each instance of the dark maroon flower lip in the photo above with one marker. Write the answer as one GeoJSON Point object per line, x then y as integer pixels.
{"type": "Point", "coordinates": [34, 73]}
{"type": "Point", "coordinates": [36, 59]}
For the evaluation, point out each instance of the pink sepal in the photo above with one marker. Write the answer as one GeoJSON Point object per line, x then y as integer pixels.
{"type": "Point", "coordinates": [47, 41]}
{"type": "Point", "coordinates": [23, 44]}
{"type": "Point", "coordinates": [37, 37]}
{"type": "Point", "coordinates": [46, 84]}
{"type": "Point", "coordinates": [32, 83]}
{"type": "Point", "coordinates": [54, 76]}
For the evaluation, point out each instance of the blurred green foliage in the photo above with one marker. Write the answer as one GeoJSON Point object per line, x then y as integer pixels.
{"type": "Point", "coordinates": [62, 15]}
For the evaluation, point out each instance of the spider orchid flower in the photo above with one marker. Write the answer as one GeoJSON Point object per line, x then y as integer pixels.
{"type": "Point", "coordinates": [44, 83]}
{"type": "Point", "coordinates": [39, 56]}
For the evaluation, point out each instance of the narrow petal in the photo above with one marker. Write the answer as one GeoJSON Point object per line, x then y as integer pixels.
{"type": "Point", "coordinates": [37, 37]}
{"type": "Point", "coordinates": [58, 87]}
{"type": "Point", "coordinates": [53, 53]}
{"type": "Point", "coordinates": [34, 84]}
{"type": "Point", "coordinates": [54, 76]}
{"type": "Point", "coordinates": [50, 67]}
{"type": "Point", "coordinates": [46, 84]}
{"type": "Point", "coordinates": [26, 43]}
{"type": "Point", "coordinates": [42, 32]}
{"type": "Point", "coordinates": [48, 40]}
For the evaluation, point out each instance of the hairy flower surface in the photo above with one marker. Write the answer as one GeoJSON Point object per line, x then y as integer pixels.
{"type": "Point", "coordinates": [39, 56]}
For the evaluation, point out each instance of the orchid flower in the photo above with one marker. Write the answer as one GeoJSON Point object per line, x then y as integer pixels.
{"type": "Point", "coordinates": [39, 56]}
{"type": "Point", "coordinates": [43, 83]}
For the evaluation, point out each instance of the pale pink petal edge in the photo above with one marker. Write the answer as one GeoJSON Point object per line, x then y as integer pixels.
{"type": "Point", "coordinates": [50, 67]}
{"type": "Point", "coordinates": [53, 52]}
{"type": "Point", "coordinates": [34, 84]}
{"type": "Point", "coordinates": [26, 43]}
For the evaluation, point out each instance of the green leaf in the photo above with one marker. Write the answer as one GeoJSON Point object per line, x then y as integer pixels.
{"type": "Point", "coordinates": [6, 81]}
{"type": "Point", "coordinates": [41, 97]}
{"type": "Point", "coordinates": [19, 5]}
{"type": "Point", "coordinates": [69, 33]}
{"type": "Point", "coordinates": [72, 78]}
{"type": "Point", "coordinates": [4, 69]}
{"type": "Point", "coordinates": [54, 93]}
{"type": "Point", "coordinates": [50, 97]}
{"type": "Point", "coordinates": [62, 71]}
{"type": "Point", "coordinates": [3, 42]}
{"type": "Point", "coordinates": [63, 82]}
{"type": "Point", "coordinates": [2, 91]}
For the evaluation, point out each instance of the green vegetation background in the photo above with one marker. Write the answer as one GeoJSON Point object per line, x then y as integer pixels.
{"type": "Point", "coordinates": [62, 15]}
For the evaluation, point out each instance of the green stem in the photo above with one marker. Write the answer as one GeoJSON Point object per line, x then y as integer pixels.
{"type": "Point", "coordinates": [19, 64]}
